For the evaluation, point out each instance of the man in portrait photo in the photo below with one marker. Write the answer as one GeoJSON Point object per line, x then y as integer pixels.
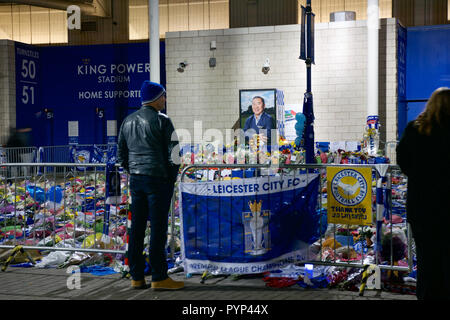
{"type": "Point", "coordinates": [260, 122]}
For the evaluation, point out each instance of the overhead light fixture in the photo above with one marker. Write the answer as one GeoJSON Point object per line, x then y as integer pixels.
{"type": "Point", "coordinates": [212, 60]}
{"type": "Point", "coordinates": [266, 66]}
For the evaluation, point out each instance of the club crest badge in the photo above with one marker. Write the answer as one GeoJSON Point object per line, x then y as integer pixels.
{"type": "Point", "coordinates": [82, 156]}
{"type": "Point", "coordinates": [349, 187]}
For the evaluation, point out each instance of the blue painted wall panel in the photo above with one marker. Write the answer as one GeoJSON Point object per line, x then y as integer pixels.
{"type": "Point", "coordinates": [428, 61]}
{"type": "Point", "coordinates": [74, 81]}
{"type": "Point", "coordinates": [401, 78]}
{"type": "Point", "coordinates": [414, 109]}
{"type": "Point", "coordinates": [427, 68]}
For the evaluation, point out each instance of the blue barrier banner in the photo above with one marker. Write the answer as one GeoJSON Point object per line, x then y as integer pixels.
{"type": "Point", "coordinates": [247, 226]}
{"type": "Point", "coordinates": [93, 154]}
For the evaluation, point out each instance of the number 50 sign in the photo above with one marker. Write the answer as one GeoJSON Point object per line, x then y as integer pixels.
{"type": "Point", "coordinates": [27, 62]}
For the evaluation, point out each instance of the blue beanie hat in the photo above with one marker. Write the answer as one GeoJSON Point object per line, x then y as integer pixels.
{"type": "Point", "coordinates": [151, 91]}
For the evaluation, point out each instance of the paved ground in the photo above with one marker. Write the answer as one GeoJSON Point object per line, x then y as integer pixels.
{"type": "Point", "coordinates": [55, 284]}
{"type": "Point", "coordinates": [224, 294]}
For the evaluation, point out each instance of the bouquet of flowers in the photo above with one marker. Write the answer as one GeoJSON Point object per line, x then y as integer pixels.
{"type": "Point", "coordinates": [228, 154]}
{"type": "Point", "coordinates": [240, 154]}
{"type": "Point", "coordinates": [187, 159]}
{"type": "Point", "coordinates": [263, 157]}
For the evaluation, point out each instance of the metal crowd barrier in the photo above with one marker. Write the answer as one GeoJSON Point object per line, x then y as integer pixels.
{"type": "Point", "coordinates": [45, 154]}
{"type": "Point", "coordinates": [54, 154]}
{"type": "Point", "coordinates": [63, 207]}
{"type": "Point", "coordinates": [17, 155]}
{"type": "Point", "coordinates": [61, 154]}
{"type": "Point", "coordinates": [68, 212]}
{"type": "Point", "coordinates": [395, 202]}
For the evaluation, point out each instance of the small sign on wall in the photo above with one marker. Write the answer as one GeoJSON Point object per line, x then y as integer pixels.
{"type": "Point", "coordinates": [73, 132]}
{"type": "Point", "coordinates": [111, 131]}
{"type": "Point", "coordinates": [111, 128]}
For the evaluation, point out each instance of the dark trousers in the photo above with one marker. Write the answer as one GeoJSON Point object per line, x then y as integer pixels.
{"type": "Point", "coordinates": [151, 197]}
{"type": "Point", "coordinates": [433, 260]}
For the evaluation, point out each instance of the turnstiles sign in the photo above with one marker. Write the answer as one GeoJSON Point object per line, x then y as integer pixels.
{"type": "Point", "coordinates": [349, 193]}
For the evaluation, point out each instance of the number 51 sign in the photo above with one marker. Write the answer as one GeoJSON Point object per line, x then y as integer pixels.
{"type": "Point", "coordinates": [27, 63]}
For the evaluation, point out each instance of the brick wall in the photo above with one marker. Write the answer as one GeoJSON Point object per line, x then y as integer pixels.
{"type": "Point", "coordinates": [7, 89]}
{"type": "Point", "coordinates": [339, 83]}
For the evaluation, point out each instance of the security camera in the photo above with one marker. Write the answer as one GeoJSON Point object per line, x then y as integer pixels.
{"type": "Point", "coordinates": [181, 66]}
{"type": "Point", "coordinates": [266, 66]}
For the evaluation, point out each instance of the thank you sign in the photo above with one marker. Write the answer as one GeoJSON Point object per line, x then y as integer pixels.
{"type": "Point", "coordinates": [349, 195]}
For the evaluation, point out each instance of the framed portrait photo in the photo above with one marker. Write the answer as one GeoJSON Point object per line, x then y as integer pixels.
{"type": "Point", "coordinates": [251, 99]}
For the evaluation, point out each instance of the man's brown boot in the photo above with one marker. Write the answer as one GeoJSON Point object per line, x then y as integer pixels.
{"type": "Point", "coordinates": [167, 284]}
{"type": "Point", "coordinates": [139, 284]}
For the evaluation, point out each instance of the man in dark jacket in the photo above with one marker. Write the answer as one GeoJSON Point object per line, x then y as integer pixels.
{"type": "Point", "coordinates": [145, 151]}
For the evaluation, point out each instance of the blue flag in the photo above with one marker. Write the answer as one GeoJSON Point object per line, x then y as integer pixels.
{"type": "Point", "coordinates": [249, 225]}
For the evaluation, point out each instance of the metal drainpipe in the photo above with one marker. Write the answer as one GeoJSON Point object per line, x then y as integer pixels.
{"type": "Point", "coordinates": [373, 26]}
{"type": "Point", "coordinates": [153, 33]}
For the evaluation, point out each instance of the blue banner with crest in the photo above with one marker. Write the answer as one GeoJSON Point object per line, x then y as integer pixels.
{"type": "Point", "coordinates": [93, 154]}
{"type": "Point", "coordinates": [245, 226]}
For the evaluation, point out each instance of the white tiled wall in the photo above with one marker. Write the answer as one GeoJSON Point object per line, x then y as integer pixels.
{"type": "Point", "coordinates": [211, 95]}
{"type": "Point", "coordinates": [7, 89]}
